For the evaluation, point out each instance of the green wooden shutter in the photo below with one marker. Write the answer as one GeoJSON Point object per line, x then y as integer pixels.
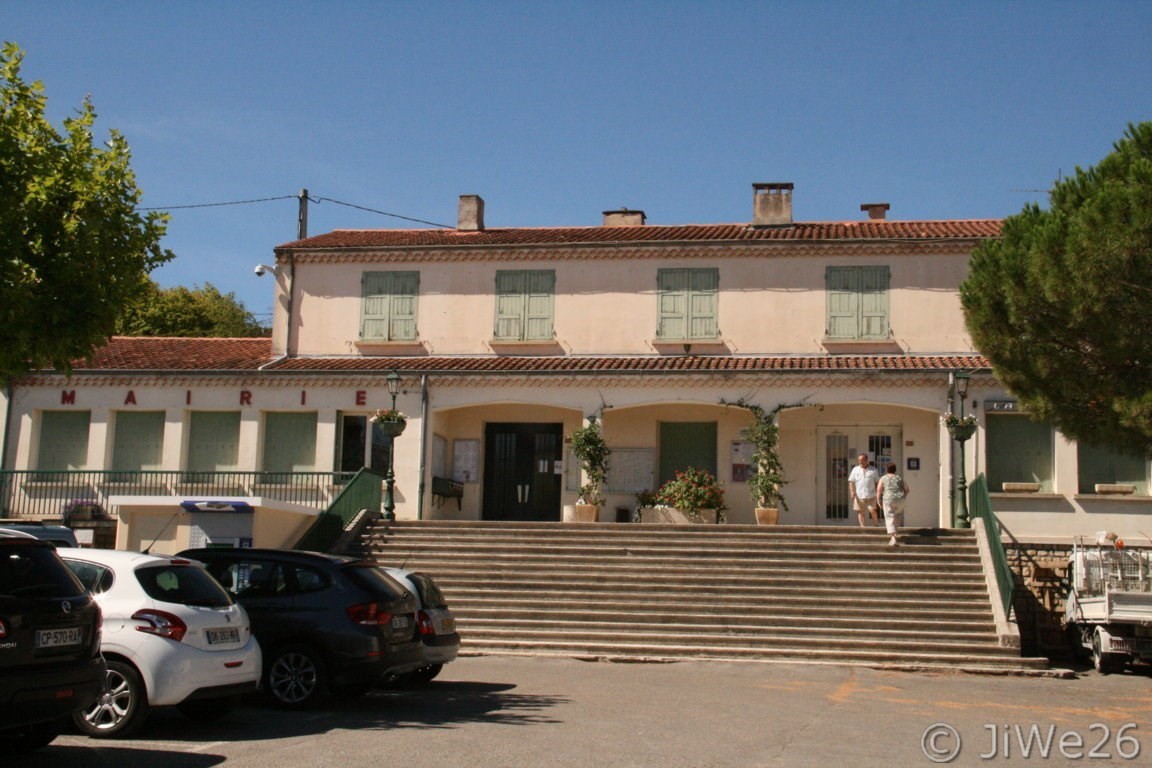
{"type": "Point", "coordinates": [374, 305]}
{"type": "Point", "coordinates": [842, 285]}
{"type": "Point", "coordinates": [1018, 450]}
{"type": "Point", "coordinates": [63, 440]}
{"type": "Point", "coordinates": [672, 287]}
{"type": "Point", "coordinates": [510, 308]}
{"type": "Point", "coordinates": [704, 290]}
{"type": "Point", "coordinates": [138, 444]}
{"type": "Point", "coordinates": [290, 442]}
{"type": "Point", "coordinates": [540, 288]}
{"type": "Point", "coordinates": [403, 289]}
{"type": "Point", "coordinates": [213, 441]}
{"type": "Point", "coordinates": [1102, 464]}
{"type": "Point", "coordinates": [874, 283]}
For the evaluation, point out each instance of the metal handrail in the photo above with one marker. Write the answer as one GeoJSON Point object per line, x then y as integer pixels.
{"type": "Point", "coordinates": [362, 492]}
{"type": "Point", "coordinates": [61, 494]}
{"type": "Point", "coordinates": [980, 505]}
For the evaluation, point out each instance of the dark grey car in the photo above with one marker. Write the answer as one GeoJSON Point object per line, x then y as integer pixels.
{"type": "Point", "coordinates": [50, 662]}
{"type": "Point", "coordinates": [326, 623]}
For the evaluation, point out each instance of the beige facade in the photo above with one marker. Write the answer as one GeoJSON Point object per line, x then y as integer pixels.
{"type": "Point", "coordinates": [655, 330]}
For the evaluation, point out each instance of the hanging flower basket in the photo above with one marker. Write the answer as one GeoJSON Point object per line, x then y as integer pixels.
{"type": "Point", "coordinates": [960, 428]}
{"type": "Point", "coordinates": [390, 422]}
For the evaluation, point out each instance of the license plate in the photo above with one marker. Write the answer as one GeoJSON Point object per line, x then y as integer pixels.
{"type": "Point", "coordinates": [59, 638]}
{"type": "Point", "coordinates": [399, 622]}
{"type": "Point", "coordinates": [226, 635]}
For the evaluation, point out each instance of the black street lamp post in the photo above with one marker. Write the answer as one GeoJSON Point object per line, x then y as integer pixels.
{"type": "Point", "coordinates": [961, 431]}
{"type": "Point", "coordinates": [390, 476]}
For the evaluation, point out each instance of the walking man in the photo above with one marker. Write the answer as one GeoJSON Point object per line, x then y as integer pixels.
{"type": "Point", "coordinates": [862, 486]}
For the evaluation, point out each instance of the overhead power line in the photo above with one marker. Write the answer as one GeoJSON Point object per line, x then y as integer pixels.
{"type": "Point", "coordinates": [295, 197]}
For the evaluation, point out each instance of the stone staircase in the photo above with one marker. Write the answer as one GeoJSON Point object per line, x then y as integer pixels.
{"type": "Point", "coordinates": [773, 593]}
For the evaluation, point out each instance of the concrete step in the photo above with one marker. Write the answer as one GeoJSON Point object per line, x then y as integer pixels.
{"type": "Point", "coordinates": [799, 593]}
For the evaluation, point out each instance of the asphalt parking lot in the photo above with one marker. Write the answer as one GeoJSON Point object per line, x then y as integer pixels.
{"type": "Point", "coordinates": [539, 712]}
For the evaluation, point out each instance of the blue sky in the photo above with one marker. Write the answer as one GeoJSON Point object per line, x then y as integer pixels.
{"type": "Point", "coordinates": [557, 111]}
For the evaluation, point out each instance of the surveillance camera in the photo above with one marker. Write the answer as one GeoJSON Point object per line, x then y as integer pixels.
{"type": "Point", "coordinates": [260, 270]}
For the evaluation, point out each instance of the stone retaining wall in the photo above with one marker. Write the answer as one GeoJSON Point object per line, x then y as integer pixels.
{"type": "Point", "coordinates": [1040, 570]}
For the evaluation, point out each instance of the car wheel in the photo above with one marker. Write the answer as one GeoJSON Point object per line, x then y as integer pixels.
{"type": "Point", "coordinates": [425, 674]}
{"type": "Point", "coordinates": [121, 708]}
{"type": "Point", "coordinates": [30, 737]}
{"type": "Point", "coordinates": [207, 710]}
{"type": "Point", "coordinates": [295, 677]}
{"type": "Point", "coordinates": [1105, 663]}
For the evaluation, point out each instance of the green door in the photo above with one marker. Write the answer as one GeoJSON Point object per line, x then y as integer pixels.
{"type": "Point", "coordinates": [520, 471]}
{"type": "Point", "coordinates": [686, 444]}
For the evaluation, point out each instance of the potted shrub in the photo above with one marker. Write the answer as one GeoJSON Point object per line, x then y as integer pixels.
{"type": "Point", "coordinates": [767, 473]}
{"type": "Point", "coordinates": [590, 449]}
{"type": "Point", "coordinates": [696, 493]}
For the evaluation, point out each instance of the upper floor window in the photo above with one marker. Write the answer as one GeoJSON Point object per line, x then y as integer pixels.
{"type": "Point", "coordinates": [388, 306]}
{"type": "Point", "coordinates": [524, 304]}
{"type": "Point", "coordinates": [857, 302]}
{"type": "Point", "coordinates": [1018, 450]}
{"type": "Point", "coordinates": [688, 303]}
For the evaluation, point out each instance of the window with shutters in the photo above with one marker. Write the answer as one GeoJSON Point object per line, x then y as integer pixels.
{"type": "Point", "coordinates": [388, 306]}
{"type": "Point", "coordinates": [524, 305]}
{"type": "Point", "coordinates": [687, 302]}
{"type": "Point", "coordinates": [63, 440]}
{"type": "Point", "coordinates": [857, 302]}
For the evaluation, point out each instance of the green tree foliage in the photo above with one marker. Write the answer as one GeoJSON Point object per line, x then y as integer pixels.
{"type": "Point", "coordinates": [181, 311]}
{"type": "Point", "coordinates": [73, 246]}
{"type": "Point", "coordinates": [1061, 304]}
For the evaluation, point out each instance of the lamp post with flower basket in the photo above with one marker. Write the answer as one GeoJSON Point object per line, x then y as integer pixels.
{"type": "Point", "coordinates": [391, 423]}
{"type": "Point", "coordinates": [961, 428]}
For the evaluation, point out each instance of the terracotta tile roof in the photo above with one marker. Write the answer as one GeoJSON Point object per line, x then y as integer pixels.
{"type": "Point", "coordinates": [872, 229]}
{"type": "Point", "coordinates": [129, 353]}
{"type": "Point", "coordinates": [124, 353]}
{"type": "Point", "coordinates": [635, 364]}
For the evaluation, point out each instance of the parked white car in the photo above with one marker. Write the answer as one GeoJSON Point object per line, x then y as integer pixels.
{"type": "Point", "coordinates": [435, 623]}
{"type": "Point", "coordinates": [172, 637]}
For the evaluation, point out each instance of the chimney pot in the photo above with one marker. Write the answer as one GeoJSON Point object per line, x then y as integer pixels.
{"type": "Point", "coordinates": [624, 218]}
{"type": "Point", "coordinates": [876, 210]}
{"type": "Point", "coordinates": [772, 204]}
{"type": "Point", "coordinates": [470, 214]}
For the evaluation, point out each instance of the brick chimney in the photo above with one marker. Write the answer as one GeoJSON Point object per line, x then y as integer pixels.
{"type": "Point", "coordinates": [470, 214]}
{"type": "Point", "coordinates": [876, 210]}
{"type": "Point", "coordinates": [772, 204]}
{"type": "Point", "coordinates": [624, 218]}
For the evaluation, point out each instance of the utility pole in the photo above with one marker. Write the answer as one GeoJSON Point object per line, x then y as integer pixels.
{"type": "Point", "coordinates": [302, 217]}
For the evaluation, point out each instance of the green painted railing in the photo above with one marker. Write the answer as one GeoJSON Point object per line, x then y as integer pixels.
{"type": "Point", "coordinates": [79, 494]}
{"type": "Point", "coordinates": [362, 492]}
{"type": "Point", "coordinates": [980, 505]}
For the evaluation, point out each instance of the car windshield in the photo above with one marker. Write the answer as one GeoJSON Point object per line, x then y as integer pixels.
{"type": "Point", "coordinates": [186, 584]}
{"type": "Point", "coordinates": [35, 571]}
{"type": "Point", "coordinates": [376, 581]}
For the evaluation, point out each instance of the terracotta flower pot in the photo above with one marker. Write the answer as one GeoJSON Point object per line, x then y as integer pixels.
{"type": "Point", "coordinates": [767, 515]}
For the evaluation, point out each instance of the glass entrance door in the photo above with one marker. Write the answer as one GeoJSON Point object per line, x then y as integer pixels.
{"type": "Point", "coordinates": [838, 448]}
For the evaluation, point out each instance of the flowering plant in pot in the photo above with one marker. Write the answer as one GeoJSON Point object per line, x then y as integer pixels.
{"type": "Point", "coordinates": [691, 491]}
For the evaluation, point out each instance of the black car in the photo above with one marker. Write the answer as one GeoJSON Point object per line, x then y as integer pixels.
{"type": "Point", "coordinates": [50, 662]}
{"type": "Point", "coordinates": [326, 623]}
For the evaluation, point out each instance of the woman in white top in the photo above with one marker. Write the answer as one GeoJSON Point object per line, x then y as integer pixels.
{"type": "Point", "coordinates": [892, 491]}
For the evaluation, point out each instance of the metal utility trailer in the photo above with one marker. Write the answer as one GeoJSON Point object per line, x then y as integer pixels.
{"type": "Point", "coordinates": [1109, 606]}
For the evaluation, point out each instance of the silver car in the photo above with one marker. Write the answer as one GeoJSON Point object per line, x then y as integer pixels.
{"type": "Point", "coordinates": [435, 622]}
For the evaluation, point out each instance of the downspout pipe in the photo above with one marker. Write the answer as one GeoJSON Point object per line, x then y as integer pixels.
{"type": "Point", "coordinates": [423, 445]}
